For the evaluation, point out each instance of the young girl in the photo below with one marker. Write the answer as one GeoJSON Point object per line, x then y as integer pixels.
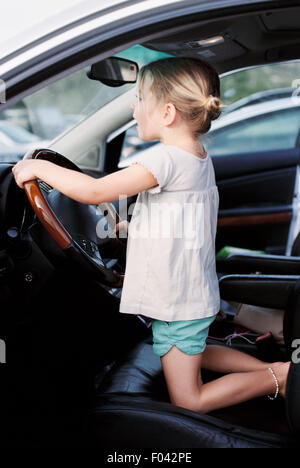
{"type": "Point", "coordinates": [170, 276]}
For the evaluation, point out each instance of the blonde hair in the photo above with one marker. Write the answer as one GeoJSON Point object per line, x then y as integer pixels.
{"type": "Point", "coordinates": [192, 85]}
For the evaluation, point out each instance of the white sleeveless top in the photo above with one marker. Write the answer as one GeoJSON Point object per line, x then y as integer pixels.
{"type": "Point", "coordinates": [170, 269]}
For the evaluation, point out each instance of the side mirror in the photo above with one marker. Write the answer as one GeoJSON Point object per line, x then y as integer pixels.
{"type": "Point", "coordinates": [114, 71]}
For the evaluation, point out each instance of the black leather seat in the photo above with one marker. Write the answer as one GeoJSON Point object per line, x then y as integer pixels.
{"type": "Point", "coordinates": [133, 410]}
{"type": "Point", "coordinates": [132, 407]}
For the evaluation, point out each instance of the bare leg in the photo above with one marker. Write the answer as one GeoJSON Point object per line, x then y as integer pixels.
{"type": "Point", "coordinates": [182, 370]}
{"type": "Point", "coordinates": [226, 360]}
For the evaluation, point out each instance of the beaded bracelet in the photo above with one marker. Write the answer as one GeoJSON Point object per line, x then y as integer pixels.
{"type": "Point", "coordinates": [277, 385]}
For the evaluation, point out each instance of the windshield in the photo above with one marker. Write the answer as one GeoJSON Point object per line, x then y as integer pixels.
{"type": "Point", "coordinates": [61, 105]}
{"type": "Point", "coordinates": [17, 134]}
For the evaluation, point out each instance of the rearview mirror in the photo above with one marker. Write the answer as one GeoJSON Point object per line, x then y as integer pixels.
{"type": "Point", "coordinates": [114, 71]}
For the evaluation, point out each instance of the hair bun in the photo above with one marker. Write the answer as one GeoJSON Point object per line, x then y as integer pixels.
{"type": "Point", "coordinates": [213, 105]}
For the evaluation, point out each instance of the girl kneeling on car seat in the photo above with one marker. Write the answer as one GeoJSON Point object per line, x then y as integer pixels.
{"type": "Point", "coordinates": [170, 273]}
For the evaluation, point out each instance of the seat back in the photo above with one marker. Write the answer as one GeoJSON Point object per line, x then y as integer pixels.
{"type": "Point", "coordinates": [291, 319]}
{"type": "Point", "coordinates": [296, 247]}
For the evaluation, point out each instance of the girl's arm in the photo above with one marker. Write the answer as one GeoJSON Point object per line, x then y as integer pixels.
{"type": "Point", "coordinates": [84, 188]}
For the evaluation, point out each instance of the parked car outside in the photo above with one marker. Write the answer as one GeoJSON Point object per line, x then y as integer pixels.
{"type": "Point", "coordinates": [261, 96]}
{"type": "Point", "coordinates": [248, 126]}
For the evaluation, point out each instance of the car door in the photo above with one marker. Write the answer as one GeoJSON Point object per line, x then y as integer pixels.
{"type": "Point", "coordinates": [258, 181]}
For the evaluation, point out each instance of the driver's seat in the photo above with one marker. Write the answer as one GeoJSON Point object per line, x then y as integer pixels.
{"type": "Point", "coordinates": [132, 408]}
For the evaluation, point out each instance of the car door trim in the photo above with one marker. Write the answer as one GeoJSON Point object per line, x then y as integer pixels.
{"type": "Point", "coordinates": [274, 218]}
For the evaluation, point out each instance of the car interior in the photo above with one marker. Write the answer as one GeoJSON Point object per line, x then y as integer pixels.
{"type": "Point", "coordinates": [81, 373]}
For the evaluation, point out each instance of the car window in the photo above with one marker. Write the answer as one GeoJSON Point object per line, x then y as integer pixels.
{"type": "Point", "coordinates": [17, 134]}
{"type": "Point", "coordinates": [39, 118]}
{"type": "Point", "coordinates": [242, 90]}
{"type": "Point", "coordinates": [278, 130]}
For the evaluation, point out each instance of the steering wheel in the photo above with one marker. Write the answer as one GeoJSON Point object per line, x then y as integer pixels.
{"type": "Point", "coordinates": [77, 235]}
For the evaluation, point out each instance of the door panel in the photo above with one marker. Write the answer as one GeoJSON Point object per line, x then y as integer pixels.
{"type": "Point", "coordinates": [260, 189]}
{"type": "Point", "coordinates": [256, 199]}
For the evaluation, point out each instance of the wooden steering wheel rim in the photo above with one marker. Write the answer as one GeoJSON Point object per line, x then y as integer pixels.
{"type": "Point", "coordinates": [46, 215]}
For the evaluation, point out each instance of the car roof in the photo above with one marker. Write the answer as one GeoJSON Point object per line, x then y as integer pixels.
{"type": "Point", "coordinates": [259, 37]}
{"type": "Point", "coordinates": [255, 37]}
{"type": "Point", "coordinates": [54, 21]}
{"type": "Point", "coordinates": [249, 34]}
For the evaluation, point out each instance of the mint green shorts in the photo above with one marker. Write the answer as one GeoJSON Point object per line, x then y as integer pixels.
{"type": "Point", "coordinates": [187, 335]}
